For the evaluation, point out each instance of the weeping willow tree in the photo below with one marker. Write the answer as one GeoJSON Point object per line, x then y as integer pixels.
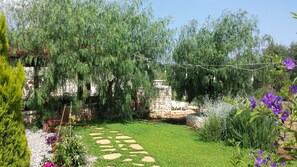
{"type": "Point", "coordinates": [232, 39]}
{"type": "Point", "coordinates": [106, 43]}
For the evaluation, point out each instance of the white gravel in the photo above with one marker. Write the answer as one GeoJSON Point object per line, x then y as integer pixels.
{"type": "Point", "coordinates": [38, 146]}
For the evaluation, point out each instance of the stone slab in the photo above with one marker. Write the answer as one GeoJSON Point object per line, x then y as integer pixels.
{"type": "Point", "coordinates": [106, 146]}
{"type": "Point", "coordinates": [103, 141]}
{"type": "Point", "coordinates": [95, 134]}
{"type": "Point", "coordinates": [109, 149]}
{"type": "Point", "coordinates": [129, 141]}
{"type": "Point", "coordinates": [148, 159]}
{"type": "Point", "coordinates": [138, 164]}
{"type": "Point", "coordinates": [127, 160]}
{"type": "Point", "coordinates": [112, 156]}
{"type": "Point", "coordinates": [138, 152]}
{"type": "Point", "coordinates": [136, 147]}
{"type": "Point", "coordinates": [123, 137]}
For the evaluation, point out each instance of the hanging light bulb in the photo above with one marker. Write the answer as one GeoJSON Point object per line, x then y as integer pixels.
{"type": "Point", "coordinates": [165, 71]}
{"type": "Point", "coordinates": [148, 66]}
{"type": "Point", "coordinates": [186, 75]}
{"type": "Point", "coordinates": [252, 79]}
{"type": "Point", "coordinates": [214, 78]}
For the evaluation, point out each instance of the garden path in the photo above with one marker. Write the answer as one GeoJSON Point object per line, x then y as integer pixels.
{"type": "Point", "coordinates": [117, 147]}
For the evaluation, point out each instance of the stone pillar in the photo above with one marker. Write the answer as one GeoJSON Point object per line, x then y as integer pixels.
{"type": "Point", "coordinates": [160, 107]}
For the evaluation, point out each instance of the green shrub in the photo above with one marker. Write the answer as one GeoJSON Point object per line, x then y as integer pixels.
{"type": "Point", "coordinates": [212, 130]}
{"type": "Point", "coordinates": [257, 134]}
{"type": "Point", "coordinates": [14, 151]}
{"type": "Point", "coordinates": [70, 152]}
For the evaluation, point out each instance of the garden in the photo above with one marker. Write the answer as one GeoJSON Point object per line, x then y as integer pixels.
{"type": "Point", "coordinates": [103, 83]}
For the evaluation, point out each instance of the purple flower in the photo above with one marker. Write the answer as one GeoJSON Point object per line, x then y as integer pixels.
{"type": "Point", "coordinates": [277, 109]}
{"type": "Point", "coordinates": [272, 164]}
{"type": "Point", "coordinates": [285, 115]}
{"type": "Point", "coordinates": [52, 139]}
{"type": "Point", "coordinates": [268, 99]}
{"type": "Point", "coordinates": [278, 100]}
{"type": "Point", "coordinates": [275, 144]}
{"type": "Point", "coordinates": [253, 102]}
{"type": "Point", "coordinates": [268, 158]}
{"type": "Point", "coordinates": [289, 63]}
{"type": "Point", "coordinates": [293, 89]}
{"type": "Point", "coordinates": [282, 138]}
{"type": "Point", "coordinates": [282, 163]}
{"type": "Point", "coordinates": [260, 153]}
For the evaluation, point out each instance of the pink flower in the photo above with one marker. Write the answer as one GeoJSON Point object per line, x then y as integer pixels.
{"type": "Point", "coordinates": [48, 164]}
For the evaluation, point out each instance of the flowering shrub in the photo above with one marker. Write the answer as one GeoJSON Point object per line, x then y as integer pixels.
{"type": "Point", "coordinates": [272, 106]}
{"type": "Point", "coordinates": [261, 160]}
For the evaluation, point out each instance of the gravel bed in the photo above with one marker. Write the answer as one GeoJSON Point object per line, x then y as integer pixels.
{"type": "Point", "coordinates": [38, 146]}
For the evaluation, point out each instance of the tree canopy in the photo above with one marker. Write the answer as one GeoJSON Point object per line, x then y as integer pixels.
{"type": "Point", "coordinates": [232, 39]}
{"type": "Point", "coordinates": [103, 42]}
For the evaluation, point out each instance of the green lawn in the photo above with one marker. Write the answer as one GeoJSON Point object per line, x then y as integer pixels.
{"type": "Point", "coordinates": [171, 145]}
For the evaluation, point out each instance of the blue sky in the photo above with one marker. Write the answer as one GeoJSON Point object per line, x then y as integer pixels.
{"type": "Point", "coordinates": [274, 17]}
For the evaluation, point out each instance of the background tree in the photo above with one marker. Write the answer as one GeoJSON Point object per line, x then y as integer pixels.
{"type": "Point", "coordinates": [14, 149]}
{"type": "Point", "coordinates": [107, 43]}
{"type": "Point", "coordinates": [231, 39]}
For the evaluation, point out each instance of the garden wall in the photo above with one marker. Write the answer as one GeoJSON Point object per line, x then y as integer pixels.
{"type": "Point", "coordinates": [69, 87]}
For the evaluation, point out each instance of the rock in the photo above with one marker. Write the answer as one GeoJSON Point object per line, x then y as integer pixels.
{"type": "Point", "coordinates": [195, 121]}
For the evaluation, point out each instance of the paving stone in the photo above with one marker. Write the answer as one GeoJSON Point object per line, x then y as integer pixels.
{"type": "Point", "coordinates": [97, 137]}
{"type": "Point", "coordinates": [138, 164]}
{"type": "Point", "coordinates": [139, 152]}
{"type": "Point", "coordinates": [136, 147]}
{"type": "Point", "coordinates": [113, 131]}
{"type": "Point", "coordinates": [109, 149]}
{"type": "Point", "coordinates": [117, 141]}
{"type": "Point", "coordinates": [112, 156]}
{"type": "Point", "coordinates": [123, 137]}
{"type": "Point", "coordinates": [121, 145]}
{"type": "Point", "coordinates": [103, 141]}
{"type": "Point", "coordinates": [109, 137]}
{"type": "Point", "coordinates": [155, 166]}
{"type": "Point", "coordinates": [106, 146]}
{"type": "Point", "coordinates": [99, 128]}
{"type": "Point", "coordinates": [148, 159]}
{"type": "Point", "coordinates": [95, 134]}
{"type": "Point", "coordinates": [124, 149]}
{"type": "Point", "coordinates": [133, 155]}
{"type": "Point", "coordinates": [127, 160]}
{"type": "Point", "coordinates": [129, 141]}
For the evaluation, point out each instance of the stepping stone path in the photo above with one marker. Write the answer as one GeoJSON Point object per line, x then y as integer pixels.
{"type": "Point", "coordinates": [116, 146]}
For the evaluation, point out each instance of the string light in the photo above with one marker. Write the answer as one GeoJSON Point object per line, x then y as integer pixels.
{"type": "Point", "coordinates": [207, 66]}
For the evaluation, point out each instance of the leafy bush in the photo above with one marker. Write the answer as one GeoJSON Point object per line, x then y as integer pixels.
{"type": "Point", "coordinates": [212, 130]}
{"type": "Point", "coordinates": [258, 134]}
{"type": "Point", "coordinates": [14, 149]}
{"type": "Point", "coordinates": [70, 152]}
